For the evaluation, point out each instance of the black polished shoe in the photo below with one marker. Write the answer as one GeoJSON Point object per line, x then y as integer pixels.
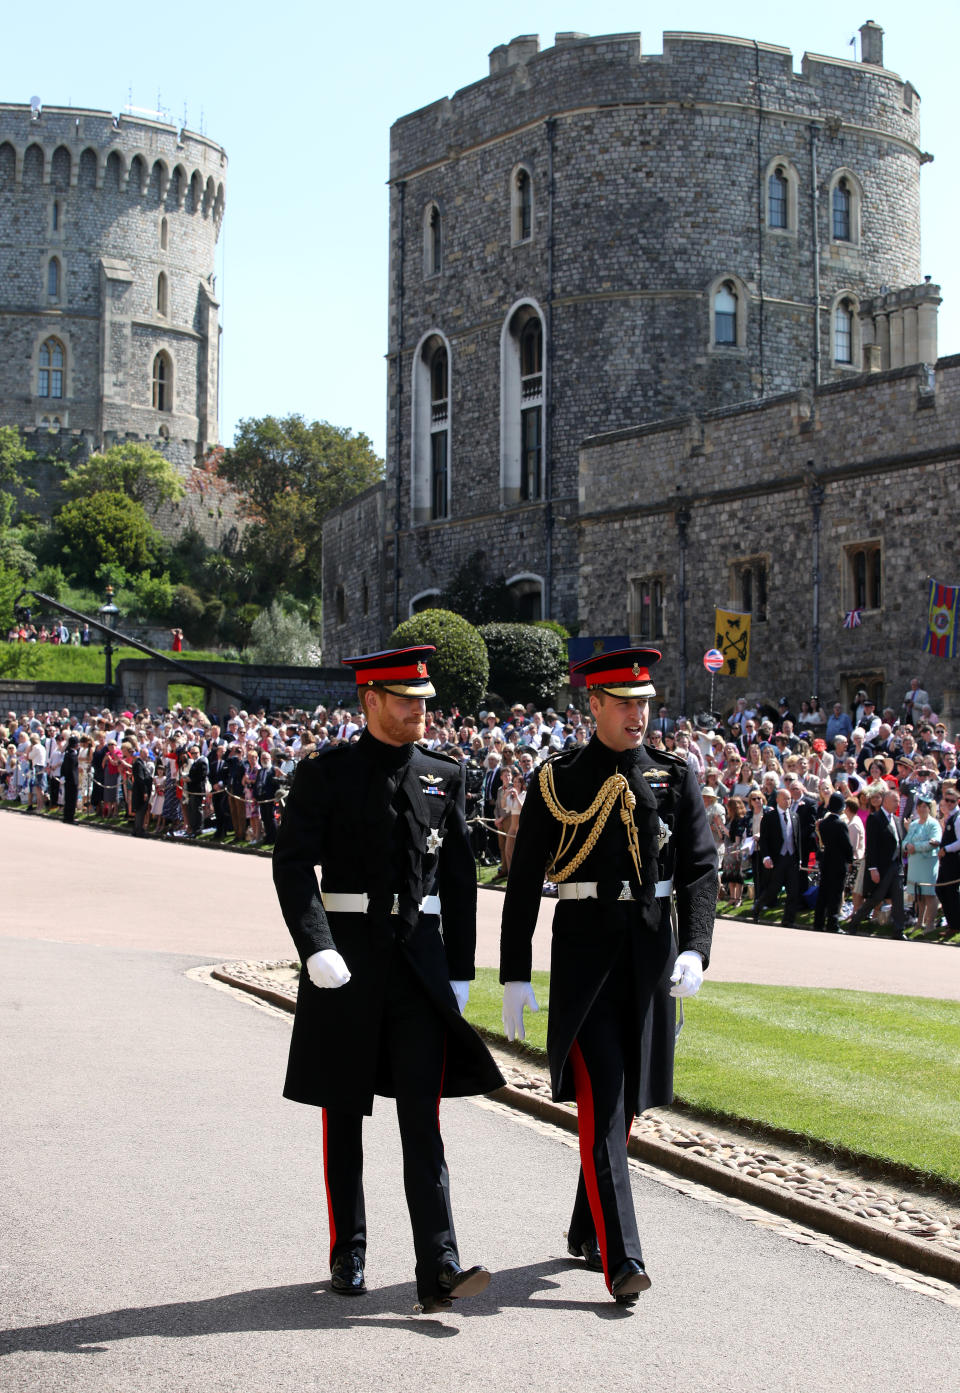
{"type": "Point", "coordinates": [589, 1251]}
{"type": "Point", "coordinates": [346, 1275]}
{"type": "Point", "coordinates": [454, 1283]}
{"type": "Point", "coordinates": [628, 1282]}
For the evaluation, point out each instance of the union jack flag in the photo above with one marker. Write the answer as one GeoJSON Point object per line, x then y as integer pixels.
{"type": "Point", "coordinates": [852, 619]}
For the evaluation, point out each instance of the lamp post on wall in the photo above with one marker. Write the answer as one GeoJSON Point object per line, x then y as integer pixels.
{"type": "Point", "coordinates": [110, 616]}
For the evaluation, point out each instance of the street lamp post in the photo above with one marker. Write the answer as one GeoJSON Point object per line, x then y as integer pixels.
{"type": "Point", "coordinates": [109, 615]}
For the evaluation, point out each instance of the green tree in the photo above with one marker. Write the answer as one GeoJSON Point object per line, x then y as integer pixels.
{"type": "Point", "coordinates": [291, 473]}
{"type": "Point", "coordinates": [13, 454]}
{"type": "Point", "coordinates": [18, 660]}
{"type": "Point", "coordinates": [459, 669]}
{"type": "Point", "coordinates": [279, 637]}
{"type": "Point", "coordinates": [105, 530]}
{"type": "Point", "coordinates": [527, 662]}
{"type": "Point", "coordinates": [131, 469]}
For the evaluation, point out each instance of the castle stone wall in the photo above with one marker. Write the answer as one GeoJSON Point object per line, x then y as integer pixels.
{"type": "Point", "coordinates": [649, 179]}
{"type": "Point", "coordinates": [114, 204]}
{"type": "Point", "coordinates": [883, 449]}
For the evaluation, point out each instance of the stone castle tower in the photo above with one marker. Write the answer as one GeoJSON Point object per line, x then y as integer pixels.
{"type": "Point", "coordinates": [109, 323]}
{"type": "Point", "coordinates": [587, 239]}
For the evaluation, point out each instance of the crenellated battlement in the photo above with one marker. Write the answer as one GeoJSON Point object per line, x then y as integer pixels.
{"type": "Point", "coordinates": [526, 85]}
{"type": "Point", "coordinates": [77, 146]}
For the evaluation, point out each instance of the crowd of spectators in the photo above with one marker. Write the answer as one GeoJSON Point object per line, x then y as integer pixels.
{"type": "Point", "coordinates": [26, 631]}
{"type": "Point", "coordinates": [184, 773]}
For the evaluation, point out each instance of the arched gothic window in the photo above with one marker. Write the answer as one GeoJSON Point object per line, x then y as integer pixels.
{"type": "Point", "coordinates": [725, 315]}
{"type": "Point", "coordinates": [522, 206]}
{"type": "Point", "coordinates": [52, 362]}
{"type": "Point", "coordinates": [430, 442]}
{"type": "Point", "coordinates": [522, 406]}
{"type": "Point", "coordinates": [162, 383]}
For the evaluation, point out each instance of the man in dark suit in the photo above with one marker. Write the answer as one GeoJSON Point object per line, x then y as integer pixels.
{"type": "Point", "coordinates": [948, 871]}
{"type": "Point", "coordinates": [836, 854]}
{"type": "Point", "coordinates": [780, 857]}
{"type": "Point", "coordinates": [219, 781]}
{"type": "Point", "coordinates": [615, 965]}
{"type": "Point", "coordinates": [70, 774]}
{"type": "Point", "coordinates": [883, 859]}
{"type": "Point", "coordinates": [141, 789]}
{"type": "Point", "coordinates": [383, 985]}
{"type": "Point", "coordinates": [196, 790]}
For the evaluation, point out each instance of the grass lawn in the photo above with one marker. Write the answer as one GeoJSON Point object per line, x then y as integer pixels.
{"type": "Point", "coordinates": [67, 664]}
{"type": "Point", "coordinates": [869, 1072]}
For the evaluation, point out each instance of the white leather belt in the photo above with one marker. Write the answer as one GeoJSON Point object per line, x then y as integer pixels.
{"type": "Point", "coordinates": [587, 890]}
{"type": "Point", "coordinates": [339, 902]}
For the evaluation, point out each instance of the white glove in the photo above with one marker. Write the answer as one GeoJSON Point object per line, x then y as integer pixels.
{"type": "Point", "coordinates": [327, 968]}
{"type": "Point", "coordinates": [461, 991]}
{"type": "Point", "coordinates": [516, 995]}
{"type": "Point", "coordinates": [687, 974]}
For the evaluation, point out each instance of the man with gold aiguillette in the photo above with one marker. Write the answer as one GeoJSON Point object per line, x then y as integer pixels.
{"type": "Point", "coordinates": [620, 827]}
{"type": "Point", "coordinates": [387, 948]}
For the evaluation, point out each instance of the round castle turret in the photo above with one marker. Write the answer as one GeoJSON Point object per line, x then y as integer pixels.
{"type": "Point", "coordinates": [588, 239]}
{"type": "Point", "coordinates": [108, 316]}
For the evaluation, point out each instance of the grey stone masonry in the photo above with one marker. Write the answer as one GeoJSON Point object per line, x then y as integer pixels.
{"type": "Point", "coordinates": [874, 459]}
{"type": "Point", "coordinates": [109, 322]}
{"type": "Point", "coordinates": [625, 203]}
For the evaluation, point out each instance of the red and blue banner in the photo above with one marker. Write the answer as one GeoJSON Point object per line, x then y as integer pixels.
{"type": "Point", "coordinates": [943, 621]}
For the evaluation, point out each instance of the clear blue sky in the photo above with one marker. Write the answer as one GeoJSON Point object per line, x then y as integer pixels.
{"type": "Point", "coordinates": [302, 97]}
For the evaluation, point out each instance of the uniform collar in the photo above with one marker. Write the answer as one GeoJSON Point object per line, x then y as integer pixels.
{"type": "Point", "coordinates": [388, 757]}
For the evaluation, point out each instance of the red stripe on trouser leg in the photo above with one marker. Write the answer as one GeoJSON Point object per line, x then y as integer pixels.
{"type": "Point", "coordinates": [586, 1130]}
{"type": "Point", "coordinates": [330, 1219]}
{"type": "Point", "coordinates": [443, 1075]}
{"type": "Point", "coordinates": [630, 1121]}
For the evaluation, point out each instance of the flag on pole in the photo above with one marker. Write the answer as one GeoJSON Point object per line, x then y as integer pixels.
{"type": "Point", "coordinates": [733, 640]}
{"type": "Point", "coordinates": [852, 619]}
{"type": "Point", "coordinates": [943, 621]}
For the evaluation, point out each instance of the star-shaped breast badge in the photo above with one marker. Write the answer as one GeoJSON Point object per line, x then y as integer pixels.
{"type": "Point", "coordinates": [434, 841]}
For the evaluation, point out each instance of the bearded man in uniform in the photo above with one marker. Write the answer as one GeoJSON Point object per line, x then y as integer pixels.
{"type": "Point", "coordinates": [387, 947]}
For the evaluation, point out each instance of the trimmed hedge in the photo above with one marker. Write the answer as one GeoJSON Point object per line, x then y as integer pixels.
{"type": "Point", "coordinates": [459, 669]}
{"type": "Point", "coordinates": [527, 662]}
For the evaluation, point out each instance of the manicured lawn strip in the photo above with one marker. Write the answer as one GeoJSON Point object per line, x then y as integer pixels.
{"type": "Point", "coordinates": [56, 663]}
{"type": "Point", "coordinates": [864, 1071]}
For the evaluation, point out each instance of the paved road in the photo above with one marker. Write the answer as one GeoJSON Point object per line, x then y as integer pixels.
{"type": "Point", "coordinates": [164, 1225]}
{"type": "Point", "coordinates": [98, 887]}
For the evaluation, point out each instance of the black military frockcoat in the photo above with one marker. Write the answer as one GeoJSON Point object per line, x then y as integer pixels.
{"type": "Point", "coordinates": [370, 815]}
{"type": "Point", "coordinates": [589, 935]}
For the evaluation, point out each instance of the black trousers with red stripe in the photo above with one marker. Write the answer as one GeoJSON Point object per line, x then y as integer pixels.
{"type": "Point", "coordinates": [606, 1087]}
{"type": "Point", "coordinates": [412, 1053]}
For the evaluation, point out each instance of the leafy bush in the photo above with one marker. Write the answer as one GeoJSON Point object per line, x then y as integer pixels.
{"type": "Point", "coordinates": [528, 662]}
{"type": "Point", "coordinates": [154, 595]}
{"type": "Point", "coordinates": [277, 637]}
{"type": "Point", "coordinates": [103, 532]}
{"type": "Point", "coordinates": [49, 580]}
{"type": "Point", "coordinates": [555, 625]}
{"type": "Point", "coordinates": [459, 669]}
{"type": "Point", "coordinates": [186, 609]}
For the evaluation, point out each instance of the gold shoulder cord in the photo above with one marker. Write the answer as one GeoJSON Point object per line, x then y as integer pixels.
{"type": "Point", "coordinates": [610, 790]}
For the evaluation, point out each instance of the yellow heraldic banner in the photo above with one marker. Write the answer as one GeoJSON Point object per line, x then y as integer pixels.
{"type": "Point", "coordinates": [733, 640]}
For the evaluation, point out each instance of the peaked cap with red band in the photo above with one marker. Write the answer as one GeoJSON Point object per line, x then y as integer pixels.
{"type": "Point", "coordinates": [401, 671]}
{"type": "Point", "coordinates": [624, 673]}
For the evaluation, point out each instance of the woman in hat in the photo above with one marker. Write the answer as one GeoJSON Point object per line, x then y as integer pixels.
{"type": "Point", "coordinates": [921, 842]}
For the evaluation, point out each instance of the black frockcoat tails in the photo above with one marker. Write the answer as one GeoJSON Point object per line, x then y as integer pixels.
{"type": "Point", "coordinates": [594, 938]}
{"type": "Point", "coordinates": [387, 821]}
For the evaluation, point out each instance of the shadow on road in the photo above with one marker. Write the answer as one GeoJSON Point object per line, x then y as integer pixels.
{"type": "Point", "coordinates": [304, 1306]}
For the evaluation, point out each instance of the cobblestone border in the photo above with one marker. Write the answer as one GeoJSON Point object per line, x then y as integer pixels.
{"type": "Point", "coordinates": [874, 1220]}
